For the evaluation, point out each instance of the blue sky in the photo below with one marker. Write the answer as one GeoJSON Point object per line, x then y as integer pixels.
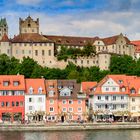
{"type": "Point", "coordinates": [76, 17]}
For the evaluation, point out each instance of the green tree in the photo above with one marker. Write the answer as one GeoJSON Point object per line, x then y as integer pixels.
{"type": "Point", "coordinates": [27, 67]}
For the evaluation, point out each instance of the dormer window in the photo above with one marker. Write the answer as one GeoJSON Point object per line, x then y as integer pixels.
{"type": "Point", "coordinates": [71, 87]}
{"type": "Point", "coordinates": [40, 90]}
{"type": "Point", "coordinates": [51, 86]}
{"type": "Point", "coordinates": [16, 83]}
{"type": "Point", "coordinates": [6, 83]}
{"type": "Point", "coordinates": [59, 87]}
{"type": "Point", "coordinates": [31, 90]}
{"type": "Point", "coordinates": [123, 89]}
{"type": "Point", "coordinates": [120, 81]}
{"type": "Point", "coordinates": [132, 90]}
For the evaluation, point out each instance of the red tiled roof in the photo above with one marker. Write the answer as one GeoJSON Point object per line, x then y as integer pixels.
{"type": "Point", "coordinates": [71, 40]}
{"type": "Point", "coordinates": [5, 38]}
{"type": "Point", "coordinates": [137, 45]}
{"type": "Point", "coordinates": [30, 37]}
{"type": "Point", "coordinates": [11, 79]}
{"type": "Point", "coordinates": [113, 39]}
{"type": "Point", "coordinates": [125, 83]}
{"type": "Point", "coordinates": [35, 84]}
{"type": "Point", "coordinates": [86, 86]}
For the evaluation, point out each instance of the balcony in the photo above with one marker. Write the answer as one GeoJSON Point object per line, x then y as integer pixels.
{"type": "Point", "coordinates": [111, 102]}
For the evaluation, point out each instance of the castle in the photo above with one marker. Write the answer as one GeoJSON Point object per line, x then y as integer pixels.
{"type": "Point", "coordinates": [44, 48]}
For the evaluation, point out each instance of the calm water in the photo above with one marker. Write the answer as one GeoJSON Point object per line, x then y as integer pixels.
{"type": "Point", "coordinates": [82, 135]}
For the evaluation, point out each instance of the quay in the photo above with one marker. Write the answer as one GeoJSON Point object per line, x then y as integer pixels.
{"type": "Point", "coordinates": [69, 127]}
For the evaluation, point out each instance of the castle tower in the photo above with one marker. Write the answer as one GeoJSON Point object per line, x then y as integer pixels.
{"type": "Point", "coordinates": [3, 27]}
{"type": "Point", "coordinates": [28, 25]}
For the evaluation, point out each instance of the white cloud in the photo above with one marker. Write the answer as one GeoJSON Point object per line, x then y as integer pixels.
{"type": "Point", "coordinates": [83, 23]}
{"type": "Point", "coordinates": [28, 2]}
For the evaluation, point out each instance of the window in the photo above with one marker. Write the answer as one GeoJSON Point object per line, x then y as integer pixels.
{"type": "Point", "coordinates": [106, 98]}
{"type": "Point", "coordinates": [70, 109]}
{"type": "Point", "coordinates": [16, 83]}
{"type": "Point", "coordinates": [123, 89]}
{"type": "Point", "coordinates": [49, 52]}
{"type": "Point", "coordinates": [64, 101]}
{"type": "Point", "coordinates": [51, 86]}
{"type": "Point", "coordinates": [132, 90]}
{"type": "Point", "coordinates": [99, 97]}
{"type": "Point", "coordinates": [29, 25]}
{"type": "Point", "coordinates": [122, 105]}
{"type": "Point", "coordinates": [133, 99]}
{"type": "Point", "coordinates": [13, 103]}
{"type": "Point", "coordinates": [36, 52]}
{"type": "Point", "coordinates": [17, 103]}
{"type": "Point", "coordinates": [30, 100]}
{"type": "Point", "coordinates": [81, 61]}
{"type": "Point", "coordinates": [114, 98]}
{"type": "Point", "coordinates": [8, 51]}
{"type": "Point", "coordinates": [21, 103]}
{"type": "Point", "coordinates": [79, 101]}
{"type": "Point", "coordinates": [99, 106]}
{"type": "Point", "coordinates": [114, 107]}
{"type": "Point", "coordinates": [51, 109]}
{"type": "Point", "coordinates": [122, 97]}
{"type": "Point", "coordinates": [51, 101]}
{"type": "Point", "coordinates": [79, 109]}
{"type": "Point", "coordinates": [5, 83]}
{"type": "Point", "coordinates": [40, 90]}
{"type": "Point", "coordinates": [2, 104]}
{"type": "Point", "coordinates": [133, 108]}
{"type": "Point", "coordinates": [40, 99]}
{"type": "Point", "coordinates": [43, 52]}
{"type": "Point", "coordinates": [120, 81]}
{"type": "Point", "coordinates": [107, 89]}
{"type": "Point", "coordinates": [70, 102]}
{"type": "Point", "coordinates": [29, 51]}
{"type": "Point", "coordinates": [22, 51]}
{"type": "Point", "coordinates": [87, 61]}
{"type": "Point", "coordinates": [7, 104]}
{"type": "Point", "coordinates": [31, 90]}
{"type": "Point", "coordinates": [16, 51]}
{"type": "Point", "coordinates": [114, 89]}
{"type": "Point", "coordinates": [30, 107]}
{"type": "Point", "coordinates": [64, 109]}
{"type": "Point", "coordinates": [51, 93]}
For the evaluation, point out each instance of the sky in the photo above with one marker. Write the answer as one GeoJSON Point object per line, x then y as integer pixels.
{"type": "Point", "coordinates": [91, 18]}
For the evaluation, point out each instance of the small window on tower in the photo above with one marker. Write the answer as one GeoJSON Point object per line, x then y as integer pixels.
{"type": "Point", "coordinates": [29, 25]}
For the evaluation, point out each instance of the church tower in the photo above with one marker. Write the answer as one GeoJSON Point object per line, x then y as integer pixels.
{"type": "Point", "coordinates": [28, 25]}
{"type": "Point", "coordinates": [3, 27]}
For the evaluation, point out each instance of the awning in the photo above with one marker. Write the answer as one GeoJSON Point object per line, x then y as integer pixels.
{"type": "Point", "coordinates": [136, 114]}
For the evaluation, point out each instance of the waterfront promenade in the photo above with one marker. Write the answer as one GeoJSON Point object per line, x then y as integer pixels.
{"type": "Point", "coordinates": [68, 127]}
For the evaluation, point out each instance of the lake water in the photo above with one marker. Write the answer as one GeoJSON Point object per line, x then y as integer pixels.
{"type": "Point", "coordinates": [73, 135]}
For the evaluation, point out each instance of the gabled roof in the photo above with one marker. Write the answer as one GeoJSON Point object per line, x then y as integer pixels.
{"type": "Point", "coordinates": [30, 38]}
{"type": "Point", "coordinates": [5, 38]}
{"type": "Point", "coordinates": [35, 84]}
{"type": "Point", "coordinates": [11, 79]}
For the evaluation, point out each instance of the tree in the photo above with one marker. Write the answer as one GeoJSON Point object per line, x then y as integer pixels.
{"type": "Point", "coordinates": [27, 67]}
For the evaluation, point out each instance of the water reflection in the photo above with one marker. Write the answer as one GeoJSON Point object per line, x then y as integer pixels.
{"type": "Point", "coordinates": [74, 135]}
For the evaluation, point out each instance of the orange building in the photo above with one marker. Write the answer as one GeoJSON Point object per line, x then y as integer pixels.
{"type": "Point", "coordinates": [12, 88]}
{"type": "Point", "coordinates": [64, 101]}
